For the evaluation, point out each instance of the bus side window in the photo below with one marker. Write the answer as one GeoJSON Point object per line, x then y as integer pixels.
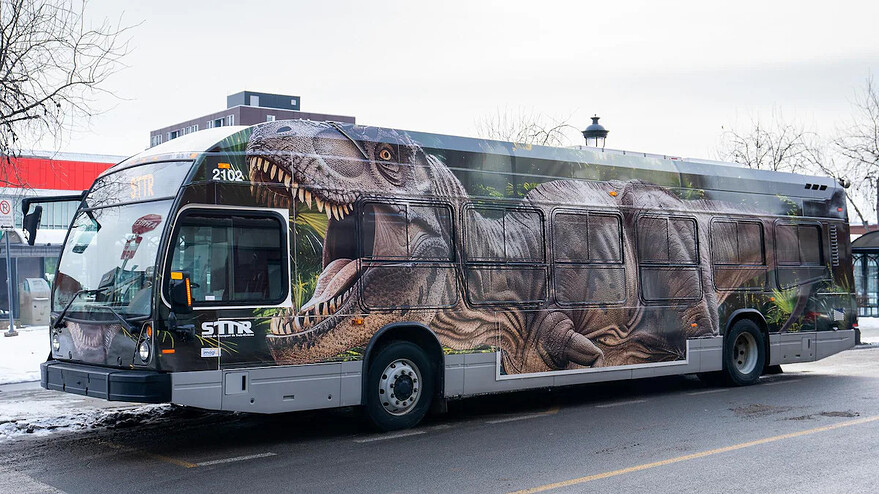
{"type": "Point", "coordinates": [669, 259]}
{"type": "Point", "coordinates": [505, 262]}
{"type": "Point", "coordinates": [800, 254]}
{"type": "Point", "coordinates": [738, 255]}
{"type": "Point", "coordinates": [587, 255]}
{"type": "Point", "coordinates": [233, 259]}
{"type": "Point", "coordinates": [407, 250]}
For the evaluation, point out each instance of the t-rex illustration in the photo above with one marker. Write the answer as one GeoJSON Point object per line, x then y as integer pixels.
{"type": "Point", "coordinates": [333, 167]}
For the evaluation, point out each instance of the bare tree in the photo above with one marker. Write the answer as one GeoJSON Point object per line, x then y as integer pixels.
{"type": "Point", "coordinates": [526, 127]}
{"type": "Point", "coordinates": [786, 146]}
{"type": "Point", "coordinates": [858, 144]}
{"type": "Point", "coordinates": [52, 65]}
{"type": "Point", "coordinates": [777, 145]}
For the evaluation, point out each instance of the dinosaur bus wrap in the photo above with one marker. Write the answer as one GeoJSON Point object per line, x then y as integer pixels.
{"type": "Point", "coordinates": [305, 244]}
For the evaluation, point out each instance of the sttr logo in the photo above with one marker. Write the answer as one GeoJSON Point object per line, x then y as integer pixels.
{"type": "Point", "coordinates": [225, 329]}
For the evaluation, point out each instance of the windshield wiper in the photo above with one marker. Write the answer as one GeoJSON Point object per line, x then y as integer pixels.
{"type": "Point", "coordinates": [119, 316]}
{"type": "Point", "coordinates": [73, 299]}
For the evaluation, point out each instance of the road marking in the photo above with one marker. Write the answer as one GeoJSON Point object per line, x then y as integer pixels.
{"type": "Point", "coordinates": [783, 382]}
{"type": "Point", "coordinates": [619, 403]}
{"type": "Point", "coordinates": [385, 437]}
{"type": "Point", "coordinates": [551, 411]}
{"type": "Point", "coordinates": [719, 390]}
{"type": "Point", "coordinates": [237, 458]}
{"type": "Point", "coordinates": [166, 459]}
{"type": "Point", "coordinates": [701, 454]}
{"type": "Point", "coordinates": [23, 482]}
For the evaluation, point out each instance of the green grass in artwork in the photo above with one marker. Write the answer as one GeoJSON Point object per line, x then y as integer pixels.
{"type": "Point", "coordinates": [782, 307]}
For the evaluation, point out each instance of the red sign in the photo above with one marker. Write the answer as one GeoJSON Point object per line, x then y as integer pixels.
{"type": "Point", "coordinates": [130, 248]}
{"type": "Point", "coordinates": [145, 224]}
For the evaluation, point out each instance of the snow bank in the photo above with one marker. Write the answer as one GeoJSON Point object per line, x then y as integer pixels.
{"type": "Point", "coordinates": [21, 356]}
{"type": "Point", "coordinates": [41, 417]}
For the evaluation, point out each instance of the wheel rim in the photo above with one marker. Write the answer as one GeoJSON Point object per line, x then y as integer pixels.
{"type": "Point", "coordinates": [745, 353]}
{"type": "Point", "coordinates": [399, 387]}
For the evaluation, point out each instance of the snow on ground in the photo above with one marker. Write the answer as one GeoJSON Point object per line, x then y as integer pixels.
{"type": "Point", "coordinates": [27, 409]}
{"type": "Point", "coordinates": [27, 414]}
{"type": "Point", "coordinates": [21, 356]}
{"type": "Point", "coordinates": [869, 329]}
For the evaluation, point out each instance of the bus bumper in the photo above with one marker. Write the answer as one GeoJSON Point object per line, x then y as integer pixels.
{"type": "Point", "coordinates": [141, 386]}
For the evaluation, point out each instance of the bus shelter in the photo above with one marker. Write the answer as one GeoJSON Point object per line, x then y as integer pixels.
{"type": "Point", "coordinates": [865, 255]}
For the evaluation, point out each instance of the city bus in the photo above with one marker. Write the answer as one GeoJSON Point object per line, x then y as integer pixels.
{"type": "Point", "coordinates": [297, 265]}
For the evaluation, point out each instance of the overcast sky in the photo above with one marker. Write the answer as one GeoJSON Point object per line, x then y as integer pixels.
{"type": "Point", "coordinates": [664, 76]}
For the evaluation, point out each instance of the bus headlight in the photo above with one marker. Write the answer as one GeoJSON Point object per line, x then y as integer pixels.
{"type": "Point", "coordinates": [144, 350]}
{"type": "Point", "coordinates": [56, 343]}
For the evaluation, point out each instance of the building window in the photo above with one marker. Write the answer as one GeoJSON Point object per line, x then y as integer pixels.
{"type": "Point", "coordinates": [230, 120]}
{"type": "Point", "coordinates": [270, 118]}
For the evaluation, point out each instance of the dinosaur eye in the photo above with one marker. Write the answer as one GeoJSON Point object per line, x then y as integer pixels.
{"type": "Point", "coordinates": [385, 153]}
{"type": "Point", "coordinates": [283, 129]}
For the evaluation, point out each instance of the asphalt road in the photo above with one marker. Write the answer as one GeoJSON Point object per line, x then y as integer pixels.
{"type": "Point", "coordinates": [814, 428]}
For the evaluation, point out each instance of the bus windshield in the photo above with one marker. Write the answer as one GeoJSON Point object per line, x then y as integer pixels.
{"type": "Point", "coordinates": [109, 258]}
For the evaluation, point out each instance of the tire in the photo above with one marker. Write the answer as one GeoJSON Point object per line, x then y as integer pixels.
{"type": "Point", "coordinates": [399, 365]}
{"type": "Point", "coordinates": [744, 353]}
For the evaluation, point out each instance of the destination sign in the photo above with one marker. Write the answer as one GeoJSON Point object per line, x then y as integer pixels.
{"type": "Point", "coordinates": [139, 183]}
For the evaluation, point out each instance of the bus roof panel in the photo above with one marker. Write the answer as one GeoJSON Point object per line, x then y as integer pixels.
{"type": "Point", "coordinates": [197, 142]}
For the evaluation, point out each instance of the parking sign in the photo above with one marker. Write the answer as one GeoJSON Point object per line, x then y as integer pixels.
{"type": "Point", "coordinates": [7, 221]}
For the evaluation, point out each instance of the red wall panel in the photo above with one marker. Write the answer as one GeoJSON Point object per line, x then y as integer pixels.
{"type": "Point", "coordinates": [41, 173]}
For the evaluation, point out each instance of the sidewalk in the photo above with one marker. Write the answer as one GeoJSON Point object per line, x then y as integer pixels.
{"type": "Point", "coordinates": [20, 356]}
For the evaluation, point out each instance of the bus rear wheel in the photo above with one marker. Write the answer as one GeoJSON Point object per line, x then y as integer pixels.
{"type": "Point", "coordinates": [744, 353]}
{"type": "Point", "coordinates": [400, 386]}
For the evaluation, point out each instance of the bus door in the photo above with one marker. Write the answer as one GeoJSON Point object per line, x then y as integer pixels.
{"type": "Point", "coordinates": [237, 261]}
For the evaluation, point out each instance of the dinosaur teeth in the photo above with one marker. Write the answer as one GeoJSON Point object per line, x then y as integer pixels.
{"type": "Point", "coordinates": [308, 198]}
{"type": "Point", "coordinates": [286, 180]}
{"type": "Point", "coordinates": [265, 165]}
{"type": "Point", "coordinates": [329, 213]}
{"type": "Point", "coordinates": [320, 204]}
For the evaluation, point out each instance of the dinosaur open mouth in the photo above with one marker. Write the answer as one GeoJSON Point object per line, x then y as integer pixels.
{"type": "Point", "coordinates": [278, 187]}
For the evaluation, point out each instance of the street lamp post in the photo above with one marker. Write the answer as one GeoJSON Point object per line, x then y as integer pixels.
{"type": "Point", "coordinates": [595, 134]}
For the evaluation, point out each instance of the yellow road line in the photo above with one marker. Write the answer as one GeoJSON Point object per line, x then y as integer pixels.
{"type": "Point", "coordinates": [551, 411]}
{"type": "Point", "coordinates": [166, 459]}
{"type": "Point", "coordinates": [701, 454]}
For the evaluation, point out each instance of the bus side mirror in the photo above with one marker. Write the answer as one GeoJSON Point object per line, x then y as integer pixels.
{"type": "Point", "coordinates": [181, 292]}
{"type": "Point", "coordinates": [30, 224]}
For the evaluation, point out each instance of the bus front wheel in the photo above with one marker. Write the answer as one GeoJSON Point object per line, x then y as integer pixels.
{"type": "Point", "coordinates": [744, 353]}
{"type": "Point", "coordinates": [400, 386]}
